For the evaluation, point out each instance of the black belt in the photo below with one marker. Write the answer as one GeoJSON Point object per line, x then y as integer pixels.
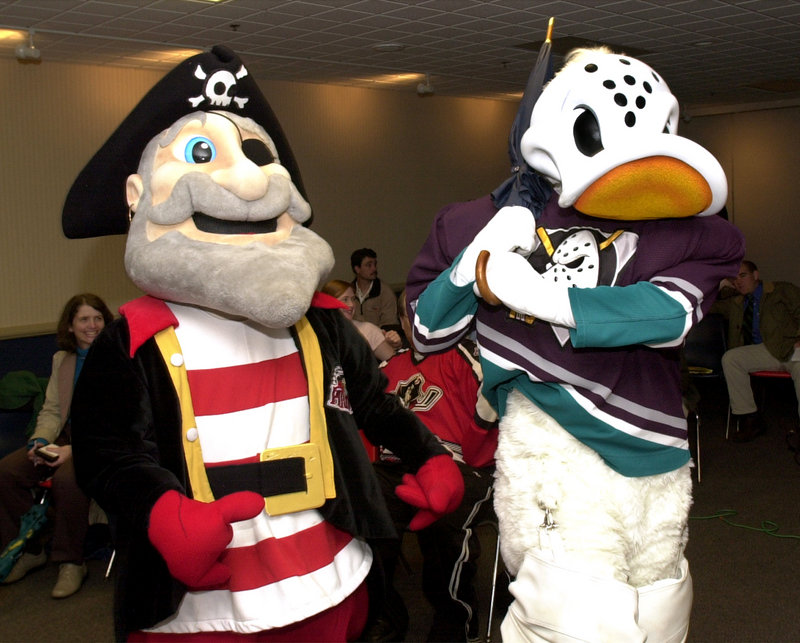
{"type": "Point", "coordinates": [268, 478]}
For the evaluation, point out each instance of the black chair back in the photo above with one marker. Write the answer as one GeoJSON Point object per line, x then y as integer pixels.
{"type": "Point", "coordinates": [705, 344]}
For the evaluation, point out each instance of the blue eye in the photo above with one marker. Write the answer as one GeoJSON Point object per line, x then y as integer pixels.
{"type": "Point", "coordinates": [199, 150]}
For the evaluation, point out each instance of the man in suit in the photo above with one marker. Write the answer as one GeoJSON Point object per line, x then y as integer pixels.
{"type": "Point", "coordinates": [763, 334]}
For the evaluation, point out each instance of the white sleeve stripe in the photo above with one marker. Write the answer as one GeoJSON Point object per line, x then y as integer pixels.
{"type": "Point", "coordinates": [684, 285]}
{"type": "Point", "coordinates": [453, 329]}
{"type": "Point", "coordinates": [684, 302]}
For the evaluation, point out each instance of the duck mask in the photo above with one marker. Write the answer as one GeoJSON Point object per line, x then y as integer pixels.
{"type": "Point", "coordinates": [604, 134]}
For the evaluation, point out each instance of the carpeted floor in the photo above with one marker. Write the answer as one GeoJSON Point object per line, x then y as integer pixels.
{"type": "Point", "coordinates": [744, 551]}
{"type": "Point", "coordinates": [746, 562]}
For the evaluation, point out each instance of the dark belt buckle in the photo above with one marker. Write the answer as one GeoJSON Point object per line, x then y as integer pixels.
{"type": "Point", "coordinates": [313, 496]}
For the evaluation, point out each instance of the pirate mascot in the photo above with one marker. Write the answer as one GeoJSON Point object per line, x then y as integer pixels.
{"type": "Point", "coordinates": [581, 277]}
{"type": "Point", "coordinates": [217, 420]}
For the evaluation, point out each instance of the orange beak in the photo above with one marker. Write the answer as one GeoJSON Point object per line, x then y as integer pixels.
{"type": "Point", "coordinates": [652, 188]}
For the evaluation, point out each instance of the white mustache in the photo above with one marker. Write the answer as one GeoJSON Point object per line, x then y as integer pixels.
{"type": "Point", "coordinates": [198, 192]}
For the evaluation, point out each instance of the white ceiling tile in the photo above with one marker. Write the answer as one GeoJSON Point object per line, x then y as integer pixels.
{"type": "Point", "coordinates": [469, 46]}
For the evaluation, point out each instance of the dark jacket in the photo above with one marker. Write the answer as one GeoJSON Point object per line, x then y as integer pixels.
{"type": "Point", "coordinates": [779, 317]}
{"type": "Point", "coordinates": [127, 447]}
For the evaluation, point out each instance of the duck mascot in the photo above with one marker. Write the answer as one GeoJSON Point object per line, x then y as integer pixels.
{"type": "Point", "coordinates": [580, 277]}
{"type": "Point", "coordinates": [217, 422]}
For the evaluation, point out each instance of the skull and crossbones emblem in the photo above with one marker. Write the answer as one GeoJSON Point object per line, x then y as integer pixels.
{"type": "Point", "coordinates": [219, 88]}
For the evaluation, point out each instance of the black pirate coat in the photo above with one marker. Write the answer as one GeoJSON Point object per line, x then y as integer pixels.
{"type": "Point", "coordinates": [128, 451]}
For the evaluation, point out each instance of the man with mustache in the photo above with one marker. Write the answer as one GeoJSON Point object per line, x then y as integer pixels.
{"type": "Point", "coordinates": [226, 446]}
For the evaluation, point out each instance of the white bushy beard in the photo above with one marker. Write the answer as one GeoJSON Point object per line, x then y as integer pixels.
{"type": "Point", "coordinates": [269, 284]}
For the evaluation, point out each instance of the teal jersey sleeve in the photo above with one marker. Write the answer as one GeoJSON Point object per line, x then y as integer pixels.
{"type": "Point", "coordinates": [444, 313]}
{"type": "Point", "coordinates": [611, 316]}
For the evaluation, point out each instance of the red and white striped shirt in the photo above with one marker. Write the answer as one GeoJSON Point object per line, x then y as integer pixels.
{"type": "Point", "coordinates": [250, 393]}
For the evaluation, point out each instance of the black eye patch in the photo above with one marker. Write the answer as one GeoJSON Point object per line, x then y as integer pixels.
{"type": "Point", "coordinates": [257, 151]}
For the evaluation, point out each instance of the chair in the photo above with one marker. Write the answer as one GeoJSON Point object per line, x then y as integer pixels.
{"type": "Point", "coordinates": [764, 377]}
{"type": "Point", "coordinates": [767, 375]}
{"type": "Point", "coordinates": [705, 344]}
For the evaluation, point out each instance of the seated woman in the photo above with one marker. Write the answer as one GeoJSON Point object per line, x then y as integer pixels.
{"type": "Point", "coordinates": [82, 319]}
{"type": "Point", "coordinates": [379, 341]}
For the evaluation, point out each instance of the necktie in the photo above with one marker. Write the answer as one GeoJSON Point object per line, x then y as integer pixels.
{"type": "Point", "coordinates": [747, 322]}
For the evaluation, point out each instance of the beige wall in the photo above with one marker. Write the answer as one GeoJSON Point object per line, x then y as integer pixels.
{"type": "Point", "coordinates": [54, 117]}
{"type": "Point", "coordinates": [760, 152]}
{"type": "Point", "coordinates": [377, 166]}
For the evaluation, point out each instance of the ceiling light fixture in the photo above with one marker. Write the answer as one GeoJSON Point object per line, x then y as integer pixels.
{"type": "Point", "coordinates": [425, 89]}
{"type": "Point", "coordinates": [28, 53]}
{"type": "Point", "coordinates": [388, 47]}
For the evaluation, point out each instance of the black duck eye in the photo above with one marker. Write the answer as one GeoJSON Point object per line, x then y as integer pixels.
{"type": "Point", "coordinates": [257, 151]}
{"type": "Point", "coordinates": [586, 132]}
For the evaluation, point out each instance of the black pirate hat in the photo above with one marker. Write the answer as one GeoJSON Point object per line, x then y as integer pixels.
{"type": "Point", "coordinates": [215, 80]}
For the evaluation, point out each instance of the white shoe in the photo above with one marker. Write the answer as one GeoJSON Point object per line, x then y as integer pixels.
{"type": "Point", "coordinates": [26, 563]}
{"type": "Point", "coordinates": [70, 579]}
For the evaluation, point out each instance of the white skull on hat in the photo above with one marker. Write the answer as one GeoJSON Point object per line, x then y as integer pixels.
{"type": "Point", "coordinates": [219, 88]}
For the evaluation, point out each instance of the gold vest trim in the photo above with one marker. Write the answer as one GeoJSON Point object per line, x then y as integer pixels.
{"type": "Point", "coordinates": [317, 453]}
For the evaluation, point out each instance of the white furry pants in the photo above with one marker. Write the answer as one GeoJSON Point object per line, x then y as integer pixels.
{"type": "Point", "coordinates": [615, 539]}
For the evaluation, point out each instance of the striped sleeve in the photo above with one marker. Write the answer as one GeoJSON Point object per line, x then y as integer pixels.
{"type": "Point", "coordinates": [642, 313]}
{"type": "Point", "coordinates": [443, 314]}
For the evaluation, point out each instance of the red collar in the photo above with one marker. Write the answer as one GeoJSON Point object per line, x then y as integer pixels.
{"type": "Point", "coordinates": [323, 300]}
{"type": "Point", "coordinates": [146, 316]}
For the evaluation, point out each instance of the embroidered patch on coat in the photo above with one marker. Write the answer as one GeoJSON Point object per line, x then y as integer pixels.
{"type": "Point", "coordinates": [337, 394]}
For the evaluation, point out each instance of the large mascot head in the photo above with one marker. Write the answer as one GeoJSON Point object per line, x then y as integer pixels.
{"type": "Point", "coordinates": [604, 133]}
{"type": "Point", "coordinates": [203, 168]}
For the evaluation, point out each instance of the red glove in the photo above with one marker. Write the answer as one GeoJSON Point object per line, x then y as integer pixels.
{"type": "Point", "coordinates": [192, 535]}
{"type": "Point", "coordinates": [437, 489]}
